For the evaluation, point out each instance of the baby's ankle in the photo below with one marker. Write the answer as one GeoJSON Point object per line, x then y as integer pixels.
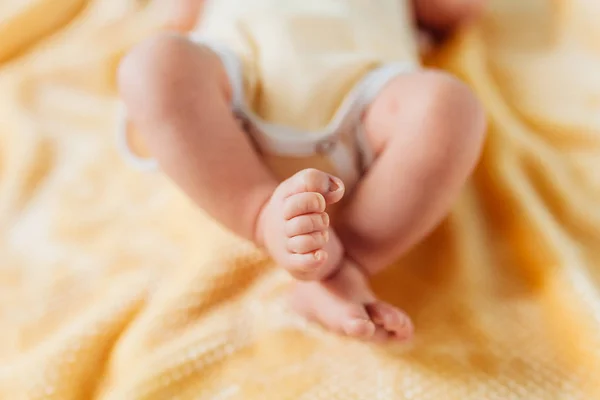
{"type": "Point", "coordinates": [258, 236]}
{"type": "Point", "coordinates": [343, 267]}
{"type": "Point", "coordinates": [336, 257]}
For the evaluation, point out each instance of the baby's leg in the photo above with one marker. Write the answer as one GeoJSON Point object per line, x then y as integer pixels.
{"type": "Point", "coordinates": [177, 94]}
{"type": "Point", "coordinates": [427, 130]}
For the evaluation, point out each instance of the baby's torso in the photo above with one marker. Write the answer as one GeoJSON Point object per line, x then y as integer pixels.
{"type": "Point", "coordinates": [302, 57]}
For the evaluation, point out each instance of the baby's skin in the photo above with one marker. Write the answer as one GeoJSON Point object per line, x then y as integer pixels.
{"type": "Point", "coordinates": [332, 289]}
{"type": "Point", "coordinates": [426, 129]}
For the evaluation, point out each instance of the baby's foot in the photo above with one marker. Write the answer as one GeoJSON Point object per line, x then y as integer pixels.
{"type": "Point", "coordinates": [294, 226]}
{"type": "Point", "coordinates": [345, 304]}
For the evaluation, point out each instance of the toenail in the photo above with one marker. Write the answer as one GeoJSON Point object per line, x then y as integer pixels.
{"type": "Point", "coordinates": [404, 321]}
{"type": "Point", "coordinates": [334, 185]}
{"type": "Point", "coordinates": [359, 327]}
{"type": "Point", "coordinates": [320, 255]}
{"type": "Point", "coordinates": [407, 323]}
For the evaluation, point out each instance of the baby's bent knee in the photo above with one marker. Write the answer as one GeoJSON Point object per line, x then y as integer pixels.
{"type": "Point", "coordinates": [162, 68]}
{"type": "Point", "coordinates": [446, 116]}
{"type": "Point", "coordinates": [146, 62]}
{"type": "Point", "coordinates": [450, 102]}
{"type": "Point", "coordinates": [458, 124]}
{"type": "Point", "coordinates": [442, 88]}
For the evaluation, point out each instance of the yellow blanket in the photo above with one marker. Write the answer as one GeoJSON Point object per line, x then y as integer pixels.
{"type": "Point", "coordinates": [114, 286]}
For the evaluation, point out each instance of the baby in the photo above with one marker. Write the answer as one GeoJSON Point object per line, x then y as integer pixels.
{"type": "Point", "coordinates": [309, 127]}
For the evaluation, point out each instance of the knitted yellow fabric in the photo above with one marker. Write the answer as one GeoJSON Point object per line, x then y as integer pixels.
{"type": "Point", "coordinates": [114, 286]}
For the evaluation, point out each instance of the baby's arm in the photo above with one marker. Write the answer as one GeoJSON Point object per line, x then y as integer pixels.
{"type": "Point", "coordinates": [445, 15]}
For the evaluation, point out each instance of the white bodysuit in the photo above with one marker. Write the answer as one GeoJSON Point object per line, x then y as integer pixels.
{"type": "Point", "coordinates": [303, 72]}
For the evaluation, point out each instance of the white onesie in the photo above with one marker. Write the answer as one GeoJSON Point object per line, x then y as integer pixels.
{"type": "Point", "coordinates": [304, 71]}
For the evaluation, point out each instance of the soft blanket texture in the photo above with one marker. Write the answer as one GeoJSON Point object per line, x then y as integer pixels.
{"type": "Point", "coordinates": [114, 286]}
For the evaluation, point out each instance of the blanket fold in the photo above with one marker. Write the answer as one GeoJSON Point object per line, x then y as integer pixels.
{"type": "Point", "coordinates": [114, 286]}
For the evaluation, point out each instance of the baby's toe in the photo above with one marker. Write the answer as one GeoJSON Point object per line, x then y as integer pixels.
{"type": "Point", "coordinates": [303, 204]}
{"type": "Point", "coordinates": [348, 318]}
{"type": "Point", "coordinates": [313, 180]}
{"type": "Point", "coordinates": [381, 335]}
{"type": "Point", "coordinates": [393, 320]}
{"type": "Point", "coordinates": [306, 267]}
{"type": "Point", "coordinates": [309, 255]}
{"type": "Point", "coordinates": [358, 328]}
{"type": "Point", "coordinates": [309, 243]}
{"type": "Point", "coordinates": [305, 224]}
{"type": "Point", "coordinates": [332, 310]}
